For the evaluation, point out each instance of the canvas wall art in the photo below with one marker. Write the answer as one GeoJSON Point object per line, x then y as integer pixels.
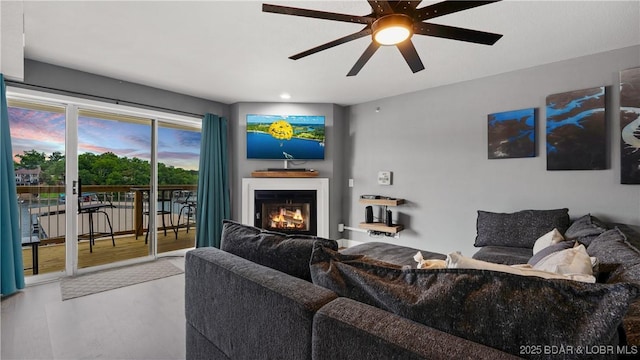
{"type": "Point", "coordinates": [576, 130]}
{"type": "Point", "coordinates": [512, 134]}
{"type": "Point", "coordinates": [630, 126]}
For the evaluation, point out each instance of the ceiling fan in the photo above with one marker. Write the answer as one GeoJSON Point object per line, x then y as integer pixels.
{"type": "Point", "coordinates": [393, 23]}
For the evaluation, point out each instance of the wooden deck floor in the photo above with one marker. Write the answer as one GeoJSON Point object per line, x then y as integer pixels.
{"type": "Point", "coordinates": [52, 257]}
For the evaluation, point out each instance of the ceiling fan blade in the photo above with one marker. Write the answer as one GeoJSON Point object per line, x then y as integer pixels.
{"type": "Point", "coordinates": [381, 7]}
{"type": "Point", "coordinates": [405, 7]}
{"type": "Point", "coordinates": [277, 9]}
{"type": "Point", "coordinates": [456, 33]}
{"type": "Point", "coordinates": [414, 4]}
{"type": "Point", "coordinates": [410, 54]}
{"type": "Point", "coordinates": [366, 55]}
{"type": "Point", "coordinates": [447, 7]}
{"type": "Point", "coordinates": [366, 31]}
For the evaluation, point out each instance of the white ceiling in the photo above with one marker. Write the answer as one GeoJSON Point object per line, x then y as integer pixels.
{"type": "Point", "coordinates": [230, 51]}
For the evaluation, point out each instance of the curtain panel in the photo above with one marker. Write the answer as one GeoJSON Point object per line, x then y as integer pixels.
{"type": "Point", "coordinates": [213, 200]}
{"type": "Point", "coordinates": [11, 267]}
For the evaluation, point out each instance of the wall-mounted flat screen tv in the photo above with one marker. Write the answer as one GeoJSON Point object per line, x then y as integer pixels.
{"type": "Point", "coordinates": [291, 137]}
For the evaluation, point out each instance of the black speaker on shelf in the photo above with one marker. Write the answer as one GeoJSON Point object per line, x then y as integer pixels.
{"type": "Point", "coordinates": [388, 219]}
{"type": "Point", "coordinates": [368, 214]}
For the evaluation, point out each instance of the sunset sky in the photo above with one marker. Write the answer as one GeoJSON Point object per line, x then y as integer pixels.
{"type": "Point", "coordinates": [45, 132]}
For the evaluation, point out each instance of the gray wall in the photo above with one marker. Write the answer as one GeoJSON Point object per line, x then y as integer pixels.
{"type": "Point", "coordinates": [332, 167]}
{"type": "Point", "coordinates": [435, 142]}
{"type": "Point", "coordinates": [57, 77]}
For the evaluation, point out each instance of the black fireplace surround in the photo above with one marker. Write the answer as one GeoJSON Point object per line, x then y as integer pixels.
{"type": "Point", "coordinates": [286, 211]}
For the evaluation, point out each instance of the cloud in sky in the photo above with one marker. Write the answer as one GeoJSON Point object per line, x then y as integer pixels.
{"type": "Point", "coordinates": [45, 132]}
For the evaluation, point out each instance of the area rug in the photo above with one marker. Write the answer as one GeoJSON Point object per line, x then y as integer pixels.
{"type": "Point", "coordinates": [83, 285]}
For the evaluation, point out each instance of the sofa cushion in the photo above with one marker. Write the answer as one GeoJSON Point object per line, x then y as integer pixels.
{"type": "Point", "coordinates": [585, 229]}
{"type": "Point", "coordinates": [503, 255]}
{"type": "Point", "coordinates": [348, 329]}
{"type": "Point", "coordinates": [612, 249]}
{"type": "Point", "coordinates": [519, 229]}
{"type": "Point", "coordinates": [563, 245]}
{"type": "Point", "coordinates": [287, 253]}
{"type": "Point", "coordinates": [391, 253]}
{"type": "Point", "coordinates": [500, 310]}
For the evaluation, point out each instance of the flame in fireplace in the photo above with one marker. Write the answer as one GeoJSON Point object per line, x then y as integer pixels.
{"type": "Point", "coordinates": [288, 219]}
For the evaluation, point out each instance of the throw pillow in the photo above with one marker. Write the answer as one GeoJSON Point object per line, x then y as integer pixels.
{"type": "Point", "coordinates": [500, 310]}
{"type": "Point", "coordinates": [574, 261]}
{"type": "Point", "coordinates": [585, 229]}
{"type": "Point", "coordinates": [287, 253]}
{"type": "Point", "coordinates": [550, 238]}
{"type": "Point", "coordinates": [612, 249]}
{"type": "Point", "coordinates": [563, 245]}
{"type": "Point", "coordinates": [519, 229]}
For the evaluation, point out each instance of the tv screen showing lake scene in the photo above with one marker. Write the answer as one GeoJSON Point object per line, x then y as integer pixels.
{"type": "Point", "coordinates": [291, 137]}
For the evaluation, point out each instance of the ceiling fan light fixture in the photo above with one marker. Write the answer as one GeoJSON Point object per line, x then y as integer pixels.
{"type": "Point", "coordinates": [392, 29]}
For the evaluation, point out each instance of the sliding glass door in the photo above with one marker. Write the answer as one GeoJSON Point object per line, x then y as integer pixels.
{"type": "Point", "coordinates": [114, 157]}
{"type": "Point", "coordinates": [178, 160]}
{"type": "Point", "coordinates": [128, 177]}
{"type": "Point", "coordinates": [38, 138]}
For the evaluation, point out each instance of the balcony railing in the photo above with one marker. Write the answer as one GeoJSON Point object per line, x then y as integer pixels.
{"type": "Point", "coordinates": [43, 211]}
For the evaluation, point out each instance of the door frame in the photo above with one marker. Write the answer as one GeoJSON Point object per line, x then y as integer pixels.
{"type": "Point", "coordinates": [73, 104]}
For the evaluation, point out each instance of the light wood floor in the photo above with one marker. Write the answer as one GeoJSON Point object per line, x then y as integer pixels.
{"type": "Point", "coordinates": [142, 321]}
{"type": "Point", "coordinates": [52, 257]}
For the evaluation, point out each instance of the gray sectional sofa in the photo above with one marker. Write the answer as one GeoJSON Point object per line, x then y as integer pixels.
{"type": "Point", "coordinates": [266, 295]}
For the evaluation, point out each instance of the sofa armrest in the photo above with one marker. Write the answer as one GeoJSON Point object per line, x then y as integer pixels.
{"type": "Point", "coordinates": [347, 329]}
{"type": "Point", "coordinates": [249, 311]}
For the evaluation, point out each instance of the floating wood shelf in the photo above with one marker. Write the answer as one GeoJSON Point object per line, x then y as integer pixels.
{"type": "Point", "coordinates": [381, 227]}
{"type": "Point", "coordinates": [284, 174]}
{"type": "Point", "coordinates": [382, 202]}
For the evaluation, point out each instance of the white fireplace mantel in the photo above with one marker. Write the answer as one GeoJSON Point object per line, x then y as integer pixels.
{"type": "Point", "coordinates": [321, 185]}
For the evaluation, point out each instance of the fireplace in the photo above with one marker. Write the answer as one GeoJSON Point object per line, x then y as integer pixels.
{"type": "Point", "coordinates": [319, 186]}
{"type": "Point", "coordinates": [288, 211]}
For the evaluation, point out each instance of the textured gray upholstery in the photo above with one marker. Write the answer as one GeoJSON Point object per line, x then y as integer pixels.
{"type": "Point", "coordinates": [391, 253]}
{"type": "Point", "coordinates": [238, 309]}
{"type": "Point", "coordinates": [287, 253]}
{"type": "Point", "coordinates": [347, 329]}
{"type": "Point", "coordinates": [249, 311]}
{"type": "Point", "coordinates": [199, 347]}
{"type": "Point", "coordinates": [612, 249]}
{"type": "Point", "coordinates": [518, 229]}
{"type": "Point", "coordinates": [585, 229]}
{"type": "Point", "coordinates": [504, 255]}
{"type": "Point", "coordinates": [497, 309]}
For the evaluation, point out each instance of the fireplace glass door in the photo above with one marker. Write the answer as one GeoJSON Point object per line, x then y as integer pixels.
{"type": "Point", "coordinates": [288, 211]}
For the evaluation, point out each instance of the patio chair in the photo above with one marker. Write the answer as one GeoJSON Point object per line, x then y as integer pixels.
{"type": "Point", "coordinates": [91, 204]}
{"type": "Point", "coordinates": [164, 197]}
{"type": "Point", "coordinates": [187, 200]}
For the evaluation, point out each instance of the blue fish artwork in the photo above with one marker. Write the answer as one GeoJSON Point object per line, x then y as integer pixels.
{"type": "Point", "coordinates": [576, 130]}
{"type": "Point", "coordinates": [512, 134]}
{"type": "Point", "coordinates": [630, 126]}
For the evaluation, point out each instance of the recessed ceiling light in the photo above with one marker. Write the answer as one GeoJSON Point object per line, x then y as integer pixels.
{"type": "Point", "coordinates": [285, 96]}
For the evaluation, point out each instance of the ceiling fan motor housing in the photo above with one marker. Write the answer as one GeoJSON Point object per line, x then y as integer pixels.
{"type": "Point", "coordinates": [383, 26]}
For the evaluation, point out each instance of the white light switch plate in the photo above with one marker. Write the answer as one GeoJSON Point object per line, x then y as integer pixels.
{"type": "Point", "coordinates": [384, 177]}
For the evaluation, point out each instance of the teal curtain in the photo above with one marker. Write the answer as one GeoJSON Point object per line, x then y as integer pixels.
{"type": "Point", "coordinates": [11, 268]}
{"type": "Point", "coordinates": [213, 182]}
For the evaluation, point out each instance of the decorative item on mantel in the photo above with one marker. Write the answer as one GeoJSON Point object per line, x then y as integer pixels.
{"type": "Point", "coordinates": [285, 173]}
